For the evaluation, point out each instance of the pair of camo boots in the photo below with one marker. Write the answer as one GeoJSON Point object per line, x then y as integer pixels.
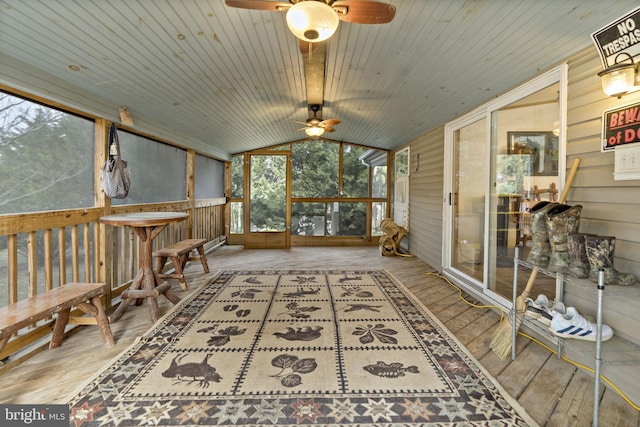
{"type": "Point", "coordinates": [559, 247]}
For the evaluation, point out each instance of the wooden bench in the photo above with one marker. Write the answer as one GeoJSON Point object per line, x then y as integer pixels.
{"type": "Point", "coordinates": [85, 296]}
{"type": "Point", "coordinates": [180, 253]}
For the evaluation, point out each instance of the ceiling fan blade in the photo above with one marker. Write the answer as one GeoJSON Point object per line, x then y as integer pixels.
{"type": "Point", "coordinates": [298, 130]}
{"type": "Point", "coordinates": [300, 123]}
{"type": "Point", "coordinates": [365, 11]}
{"type": "Point", "coordinates": [258, 5]}
{"type": "Point", "coordinates": [329, 129]}
{"type": "Point", "coordinates": [331, 122]}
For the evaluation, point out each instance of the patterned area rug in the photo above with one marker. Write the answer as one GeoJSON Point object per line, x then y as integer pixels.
{"type": "Point", "coordinates": [279, 348]}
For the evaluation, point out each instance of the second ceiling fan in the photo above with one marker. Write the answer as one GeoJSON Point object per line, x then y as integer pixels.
{"type": "Point", "coordinates": [315, 126]}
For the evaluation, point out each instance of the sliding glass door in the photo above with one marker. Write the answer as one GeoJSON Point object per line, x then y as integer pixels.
{"type": "Point", "coordinates": [501, 160]}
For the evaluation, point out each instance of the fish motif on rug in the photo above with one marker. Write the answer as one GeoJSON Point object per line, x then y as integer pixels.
{"type": "Point", "coordinates": [285, 348]}
{"type": "Point", "coordinates": [391, 370]}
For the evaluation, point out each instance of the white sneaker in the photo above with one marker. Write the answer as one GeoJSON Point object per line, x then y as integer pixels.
{"type": "Point", "coordinates": [542, 310]}
{"type": "Point", "coordinates": [573, 325]}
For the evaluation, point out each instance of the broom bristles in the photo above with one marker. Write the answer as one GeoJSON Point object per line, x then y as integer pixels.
{"type": "Point", "coordinates": [501, 340]}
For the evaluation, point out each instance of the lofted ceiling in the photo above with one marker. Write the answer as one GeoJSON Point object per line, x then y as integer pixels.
{"type": "Point", "coordinates": [222, 80]}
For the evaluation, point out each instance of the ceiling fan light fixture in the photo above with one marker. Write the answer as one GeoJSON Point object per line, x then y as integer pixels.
{"type": "Point", "coordinates": [314, 131]}
{"type": "Point", "coordinates": [312, 21]}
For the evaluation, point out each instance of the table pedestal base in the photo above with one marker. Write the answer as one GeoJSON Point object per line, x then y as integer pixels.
{"type": "Point", "coordinates": [147, 284]}
{"type": "Point", "coordinates": [144, 287]}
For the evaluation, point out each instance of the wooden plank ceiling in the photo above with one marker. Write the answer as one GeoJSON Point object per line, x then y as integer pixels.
{"type": "Point", "coordinates": [222, 80]}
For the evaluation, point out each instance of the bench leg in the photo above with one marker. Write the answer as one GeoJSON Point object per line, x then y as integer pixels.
{"type": "Point", "coordinates": [103, 322]}
{"type": "Point", "coordinates": [203, 259]}
{"type": "Point", "coordinates": [4, 342]}
{"type": "Point", "coordinates": [58, 327]}
{"type": "Point", "coordinates": [178, 264]}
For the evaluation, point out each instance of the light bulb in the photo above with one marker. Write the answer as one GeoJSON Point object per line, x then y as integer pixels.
{"type": "Point", "coordinates": [314, 131]}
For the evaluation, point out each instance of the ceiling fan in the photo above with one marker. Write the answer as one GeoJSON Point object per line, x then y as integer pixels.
{"type": "Point", "coordinates": [317, 20]}
{"type": "Point", "coordinates": [315, 126]}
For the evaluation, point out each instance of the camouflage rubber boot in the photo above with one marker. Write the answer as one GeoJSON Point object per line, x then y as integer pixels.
{"type": "Point", "coordinates": [578, 262]}
{"type": "Point", "coordinates": [600, 252]}
{"type": "Point", "coordinates": [540, 249]}
{"type": "Point", "coordinates": [561, 221]}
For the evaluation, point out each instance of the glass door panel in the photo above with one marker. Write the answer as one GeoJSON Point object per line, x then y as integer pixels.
{"type": "Point", "coordinates": [525, 152]}
{"type": "Point", "coordinates": [468, 199]}
{"type": "Point", "coordinates": [269, 215]}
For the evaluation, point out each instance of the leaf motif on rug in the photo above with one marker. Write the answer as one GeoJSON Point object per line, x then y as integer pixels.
{"type": "Point", "coordinates": [369, 333]}
{"type": "Point", "coordinates": [221, 337]}
{"type": "Point", "coordinates": [282, 348]}
{"type": "Point", "coordinates": [300, 312]}
{"type": "Point", "coordinates": [291, 367]}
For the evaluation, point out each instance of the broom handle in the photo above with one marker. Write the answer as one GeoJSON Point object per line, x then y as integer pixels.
{"type": "Point", "coordinates": [569, 181]}
{"type": "Point", "coordinates": [563, 198]}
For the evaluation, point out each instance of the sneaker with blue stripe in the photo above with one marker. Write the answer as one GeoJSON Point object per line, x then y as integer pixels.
{"type": "Point", "coordinates": [572, 325]}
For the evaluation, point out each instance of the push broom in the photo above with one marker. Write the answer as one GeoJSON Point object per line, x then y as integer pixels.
{"type": "Point", "coordinates": [501, 340]}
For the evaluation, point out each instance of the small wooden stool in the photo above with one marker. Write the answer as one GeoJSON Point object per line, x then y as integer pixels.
{"type": "Point", "coordinates": [179, 253]}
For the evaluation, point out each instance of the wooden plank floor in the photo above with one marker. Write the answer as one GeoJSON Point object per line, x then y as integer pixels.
{"type": "Point", "coordinates": [554, 392]}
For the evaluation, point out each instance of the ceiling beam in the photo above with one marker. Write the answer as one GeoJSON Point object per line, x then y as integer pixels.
{"type": "Point", "coordinates": [314, 56]}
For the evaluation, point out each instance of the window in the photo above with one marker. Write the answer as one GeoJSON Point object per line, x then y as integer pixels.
{"type": "Point", "coordinates": [237, 177]}
{"type": "Point", "coordinates": [46, 157]}
{"type": "Point", "coordinates": [209, 177]}
{"type": "Point", "coordinates": [237, 191]}
{"type": "Point", "coordinates": [308, 219]}
{"type": "Point", "coordinates": [314, 169]}
{"type": "Point", "coordinates": [347, 219]}
{"type": "Point", "coordinates": [158, 170]}
{"type": "Point", "coordinates": [355, 175]}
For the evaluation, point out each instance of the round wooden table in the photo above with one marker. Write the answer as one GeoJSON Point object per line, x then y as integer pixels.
{"type": "Point", "coordinates": [147, 284]}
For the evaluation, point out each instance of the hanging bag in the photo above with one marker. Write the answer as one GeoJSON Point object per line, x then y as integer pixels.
{"type": "Point", "coordinates": [116, 175]}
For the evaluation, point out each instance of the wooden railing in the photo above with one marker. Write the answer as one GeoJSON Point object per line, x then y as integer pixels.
{"type": "Point", "coordinates": [45, 250]}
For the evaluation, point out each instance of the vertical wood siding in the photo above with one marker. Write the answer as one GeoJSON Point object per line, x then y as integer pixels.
{"type": "Point", "coordinates": [610, 208]}
{"type": "Point", "coordinates": [426, 182]}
